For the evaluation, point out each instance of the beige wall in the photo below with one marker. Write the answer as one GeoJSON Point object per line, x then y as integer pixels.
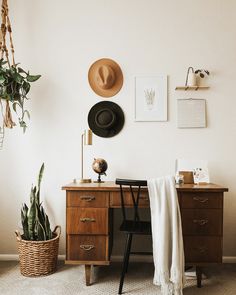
{"type": "Point", "coordinates": [60, 40]}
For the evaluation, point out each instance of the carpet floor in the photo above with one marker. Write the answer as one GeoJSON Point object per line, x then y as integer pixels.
{"type": "Point", "coordinates": [69, 280]}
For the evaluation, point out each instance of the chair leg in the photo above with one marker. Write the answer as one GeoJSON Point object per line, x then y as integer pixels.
{"type": "Point", "coordinates": [125, 261]}
{"type": "Point", "coordinates": [129, 250]}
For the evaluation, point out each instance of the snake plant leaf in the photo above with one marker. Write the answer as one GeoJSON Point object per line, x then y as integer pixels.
{"type": "Point", "coordinates": [31, 219]}
{"type": "Point", "coordinates": [32, 194]}
{"type": "Point", "coordinates": [40, 215]}
{"type": "Point", "coordinates": [24, 221]}
{"type": "Point", "coordinates": [40, 175]}
{"type": "Point", "coordinates": [41, 235]}
{"type": "Point", "coordinates": [48, 230]}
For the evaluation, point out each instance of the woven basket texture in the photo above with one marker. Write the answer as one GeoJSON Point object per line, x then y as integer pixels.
{"type": "Point", "coordinates": [38, 258]}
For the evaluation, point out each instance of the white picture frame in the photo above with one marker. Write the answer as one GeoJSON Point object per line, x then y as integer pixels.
{"type": "Point", "coordinates": [151, 98]}
{"type": "Point", "coordinates": [191, 113]}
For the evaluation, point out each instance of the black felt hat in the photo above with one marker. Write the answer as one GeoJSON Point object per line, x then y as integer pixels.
{"type": "Point", "coordinates": [106, 119]}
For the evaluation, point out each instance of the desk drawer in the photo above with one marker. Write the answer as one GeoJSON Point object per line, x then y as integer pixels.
{"type": "Point", "coordinates": [203, 249]}
{"type": "Point", "coordinates": [115, 199]}
{"type": "Point", "coordinates": [87, 248]}
{"type": "Point", "coordinates": [87, 199]}
{"type": "Point", "coordinates": [202, 221]}
{"type": "Point", "coordinates": [87, 221]}
{"type": "Point", "coordinates": [201, 200]}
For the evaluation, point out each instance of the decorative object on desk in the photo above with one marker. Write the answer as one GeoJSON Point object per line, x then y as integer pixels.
{"type": "Point", "coordinates": [14, 81]}
{"type": "Point", "coordinates": [105, 77]}
{"type": "Point", "coordinates": [194, 171]}
{"type": "Point", "coordinates": [86, 139]}
{"type": "Point", "coordinates": [99, 166]}
{"type": "Point", "coordinates": [187, 176]}
{"type": "Point", "coordinates": [106, 119]}
{"type": "Point", "coordinates": [151, 98]}
{"type": "Point", "coordinates": [38, 245]}
{"type": "Point", "coordinates": [179, 178]}
{"type": "Point", "coordinates": [191, 113]}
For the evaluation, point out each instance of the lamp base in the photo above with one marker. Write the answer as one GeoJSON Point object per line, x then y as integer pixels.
{"type": "Point", "coordinates": [85, 180]}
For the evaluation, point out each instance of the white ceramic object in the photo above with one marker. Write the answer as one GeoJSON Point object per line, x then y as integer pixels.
{"type": "Point", "coordinates": [192, 79]}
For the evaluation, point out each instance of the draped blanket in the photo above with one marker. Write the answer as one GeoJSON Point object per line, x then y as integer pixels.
{"type": "Point", "coordinates": [168, 251]}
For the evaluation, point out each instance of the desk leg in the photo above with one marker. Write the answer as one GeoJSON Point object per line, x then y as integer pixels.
{"type": "Point", "coordinates": [87, 274]}
{"type": "Point", "coordinates": [199, 276]}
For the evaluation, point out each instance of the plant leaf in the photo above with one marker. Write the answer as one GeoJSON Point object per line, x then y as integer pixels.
{"type": "Point", "coordinates": [26, 87]}
{"type": "Point", "coordinates": [31, 78]}
{"type": "Point", "coordinates": [27, 113]}
{"type": "Point", "coordinates": [31, 220]}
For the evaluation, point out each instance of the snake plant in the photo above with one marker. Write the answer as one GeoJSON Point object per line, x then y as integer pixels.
{"type": "Point", "coordinates": [35, 222]}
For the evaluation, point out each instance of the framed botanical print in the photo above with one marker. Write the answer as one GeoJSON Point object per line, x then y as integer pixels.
{"type": "Point", "coordinates": [151, 98]}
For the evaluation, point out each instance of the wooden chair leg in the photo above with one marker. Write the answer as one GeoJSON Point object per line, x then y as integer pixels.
{"type": "Point", "coordinates": [88, 274]}
{"type": "Point", "coordinates": [199, 276]}
{"type": "Point", "coordinates": [125, 261]}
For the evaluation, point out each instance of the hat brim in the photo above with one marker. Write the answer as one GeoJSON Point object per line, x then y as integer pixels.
{"type": "Point", "coordinates": [118, 82]}
{"type": "Point", "coordinates": [119, 121]}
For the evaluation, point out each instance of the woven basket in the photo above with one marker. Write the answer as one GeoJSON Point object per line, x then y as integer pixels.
{"type": "Point", "coordinates": [38, 258]}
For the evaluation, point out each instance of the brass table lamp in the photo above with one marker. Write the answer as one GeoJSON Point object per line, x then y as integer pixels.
{"type": "Point", "coordinates": [86, 139]}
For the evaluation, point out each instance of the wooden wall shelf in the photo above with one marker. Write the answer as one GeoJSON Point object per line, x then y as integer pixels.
{"type": "Point", "coordinates": [191, 88]}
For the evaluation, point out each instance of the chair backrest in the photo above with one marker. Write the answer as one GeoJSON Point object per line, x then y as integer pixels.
{"type": "Point", "coordinates": [135, 190]}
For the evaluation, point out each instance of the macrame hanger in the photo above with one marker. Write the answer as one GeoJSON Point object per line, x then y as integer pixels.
{"type": "Point", "coordinates": [6, 27]}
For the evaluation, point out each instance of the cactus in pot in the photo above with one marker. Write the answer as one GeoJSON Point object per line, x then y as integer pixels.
{"type": "Point", "coordinates": [35, 222]}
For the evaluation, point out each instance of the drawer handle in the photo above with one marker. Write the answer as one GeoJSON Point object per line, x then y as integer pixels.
{"type": "Point", "coordinates": [201, 249]}
{"type": "Point", "coordinates": [87, 247]}
{"type": "Point", "coordinates": [200, 221]}
{"type": "Point", "coordinates": [87, 219]}
{"type": "Point", "coordinates": [200, 199]}
{"type": "Point", "coordinates": [145, 198]}
{"type": "Point", "coordinates": [87, 198]}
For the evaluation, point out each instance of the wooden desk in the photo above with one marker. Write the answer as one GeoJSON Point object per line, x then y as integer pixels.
{"type": "Point", "coordinates": [89, 219]}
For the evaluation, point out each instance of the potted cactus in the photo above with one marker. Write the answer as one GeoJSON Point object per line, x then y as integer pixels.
{"type": "Point", "coordinates": [38, 244]}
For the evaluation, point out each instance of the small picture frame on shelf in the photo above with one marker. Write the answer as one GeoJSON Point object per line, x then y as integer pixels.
{"type": "Point", "coordinates": [150, 98]}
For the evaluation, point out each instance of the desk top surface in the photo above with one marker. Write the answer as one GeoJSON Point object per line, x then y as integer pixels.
{"type": "Point", "coordinates": [111, 186]}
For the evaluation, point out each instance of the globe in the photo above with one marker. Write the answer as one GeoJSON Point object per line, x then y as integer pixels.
{"type": "Point", "coordinates": [99, 166]}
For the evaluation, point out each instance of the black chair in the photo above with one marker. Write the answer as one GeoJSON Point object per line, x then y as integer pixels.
{"type": "Point", "coordinates": [132, 226]}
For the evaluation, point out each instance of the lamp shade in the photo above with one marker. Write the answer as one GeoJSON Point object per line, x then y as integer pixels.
{"type": "Point", "coordinates": [88, 137]}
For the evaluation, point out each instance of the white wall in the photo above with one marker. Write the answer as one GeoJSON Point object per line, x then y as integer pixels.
{"type": "Point", "coordinates": [61, 39]}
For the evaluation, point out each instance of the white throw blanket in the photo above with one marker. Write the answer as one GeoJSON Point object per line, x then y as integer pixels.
{"type": "Point", "coordinates": [168, 252]}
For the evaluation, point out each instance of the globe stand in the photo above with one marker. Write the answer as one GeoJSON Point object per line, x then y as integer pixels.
{"type": "Point", "coordinates": [99, 178]}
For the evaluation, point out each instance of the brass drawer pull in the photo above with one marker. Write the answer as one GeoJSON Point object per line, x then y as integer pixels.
{"type": "Point", "coordinates": [145, 198]}
{"type": "Point", "coordinates": [87, 247]}
{"type": "Point", "coordinates": [200, 221]}
{"type": "Point", "coordinates": [87, 219]}
{"type": "Point", "coordinates": [87, 198]}
{"type": "Point", "coordinates": [200, 199]}
{"type": "Point", "coordinates": [201, 249]}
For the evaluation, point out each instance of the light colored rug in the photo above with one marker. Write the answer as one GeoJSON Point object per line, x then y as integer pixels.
{"type": "Point", "coordinates": [69, 280]}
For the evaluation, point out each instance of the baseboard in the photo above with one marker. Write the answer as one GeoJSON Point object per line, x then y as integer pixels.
{"type": "Point", "coordinates": [15, 257]}
{"type": "Point", "coordinates": [114, 258]}
{"type": "Point", "coordinates": [229, 259]}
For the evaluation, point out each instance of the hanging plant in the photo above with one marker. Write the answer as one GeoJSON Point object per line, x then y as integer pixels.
{"type": "Point", "coordinates": [14, 88]}
{"type": "Point", "coordinates": [14, 81]}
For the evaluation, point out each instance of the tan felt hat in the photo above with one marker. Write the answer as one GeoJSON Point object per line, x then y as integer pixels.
{"type": "Point", "coordinates": [105, 77]}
